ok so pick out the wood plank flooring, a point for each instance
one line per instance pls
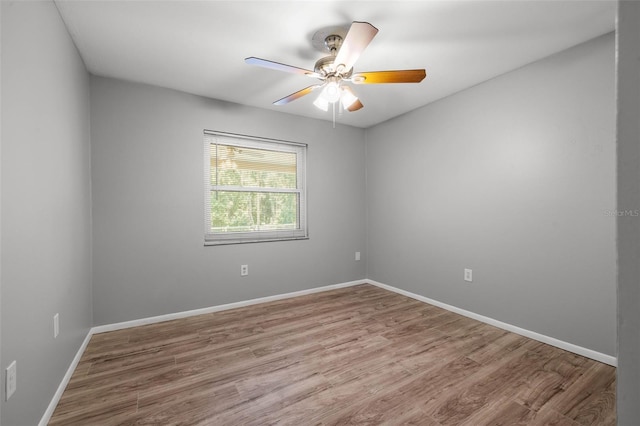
(354, 356)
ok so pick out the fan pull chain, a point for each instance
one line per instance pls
(334, 115)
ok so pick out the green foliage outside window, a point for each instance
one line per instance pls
(242, 209)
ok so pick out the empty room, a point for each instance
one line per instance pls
(319, 213)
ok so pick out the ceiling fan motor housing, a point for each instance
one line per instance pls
(331, 43)
(326, 67)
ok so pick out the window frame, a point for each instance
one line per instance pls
(255, 142)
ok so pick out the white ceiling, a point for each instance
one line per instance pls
(199, 46)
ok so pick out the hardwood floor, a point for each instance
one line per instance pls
(354, 356)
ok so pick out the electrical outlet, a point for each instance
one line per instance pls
(357, 255)
(56, 325)
(244, 270)
(11, 379)
(468, 275)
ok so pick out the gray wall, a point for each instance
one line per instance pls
(147, 183)
(628, 44)
(512, 178)
(46, 204)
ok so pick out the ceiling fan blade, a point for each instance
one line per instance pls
(296, 95)
(357, 39)
(281, 67)
(376, 77)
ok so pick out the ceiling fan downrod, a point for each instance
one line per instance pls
(333, 43)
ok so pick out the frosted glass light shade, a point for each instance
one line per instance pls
(321, 103)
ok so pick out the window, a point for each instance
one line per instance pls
(254, 189)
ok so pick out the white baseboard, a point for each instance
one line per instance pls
(185, 314)
(598, 356)
(65, 380)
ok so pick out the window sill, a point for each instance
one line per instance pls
(248, 241)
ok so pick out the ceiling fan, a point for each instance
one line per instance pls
(334, 70)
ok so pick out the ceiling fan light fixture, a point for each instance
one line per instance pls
(331, 91)
(321, 103)
(347, 98)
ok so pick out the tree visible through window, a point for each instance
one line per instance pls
(255, 189)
